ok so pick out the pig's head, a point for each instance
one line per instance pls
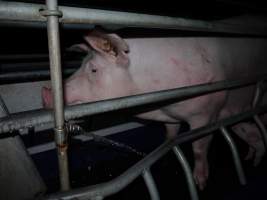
(104, 73)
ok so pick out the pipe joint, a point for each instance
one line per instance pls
(61, 137)
(47, 13)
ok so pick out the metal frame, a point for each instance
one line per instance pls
(22, 12)
(127, 177)
(38, 117)
(52, 15)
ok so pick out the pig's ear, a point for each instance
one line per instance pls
(109, 44)
(79, 48)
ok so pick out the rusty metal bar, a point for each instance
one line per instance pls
(117, 184)
(52, 15)
(151, 185)
(30, 12)
(38, 117)
(187, 170)
(236, 158)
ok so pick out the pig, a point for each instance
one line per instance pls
(119, 67)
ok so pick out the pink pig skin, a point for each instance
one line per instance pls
(134, 66)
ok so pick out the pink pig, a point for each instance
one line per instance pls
(121, 67)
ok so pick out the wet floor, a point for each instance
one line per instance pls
(92, 163)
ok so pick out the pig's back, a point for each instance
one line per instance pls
(163, 63)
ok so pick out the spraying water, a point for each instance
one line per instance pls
(74, 128)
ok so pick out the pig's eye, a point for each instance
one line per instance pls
(94, 70)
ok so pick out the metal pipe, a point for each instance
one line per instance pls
(187, 170)
(127, 177)
(31, 66)
(30, 12)
(258, 94)
(236, 158)
(52, 15)
(21, 24)
(13, 57)
(38, 117)
(19, 77)
(151, 185)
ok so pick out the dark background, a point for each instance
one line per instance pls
(106, 163)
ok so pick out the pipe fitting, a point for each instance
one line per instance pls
(47, 13)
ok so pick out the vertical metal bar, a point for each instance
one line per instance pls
(236, 158)
(152, 188)
(187, 170)
(258, 94)
(56, 80)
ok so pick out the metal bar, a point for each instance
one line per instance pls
(56, 82)
(97, 198)
(127, 177)
(151, 185)
(187, 170)
(29, 66)
(38, 117)
(21, 24)
(258, 94)
(22, 56)
(13, 151)
(19, 77)
(30, 12)
(236, 158)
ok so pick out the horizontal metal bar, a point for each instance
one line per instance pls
(117, 184)
(33, 66)
(22, 56)
(71, 15)
(38, 117)
(21, 24)
(40, 75)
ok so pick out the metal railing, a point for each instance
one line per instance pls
(21, 12)
(24, 12)
(38, 117)
(117, 184)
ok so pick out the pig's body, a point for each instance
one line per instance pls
(164, 63)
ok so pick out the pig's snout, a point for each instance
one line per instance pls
(47, 97)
